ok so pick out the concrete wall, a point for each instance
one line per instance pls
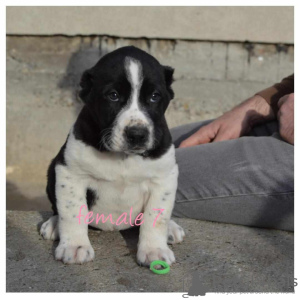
(257, 24)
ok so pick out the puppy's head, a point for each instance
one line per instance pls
(128, 91)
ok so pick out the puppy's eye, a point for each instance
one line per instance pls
(155, 97)
(113, 96)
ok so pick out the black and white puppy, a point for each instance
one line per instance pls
(118, 158)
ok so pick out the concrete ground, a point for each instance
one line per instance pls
(228, 258)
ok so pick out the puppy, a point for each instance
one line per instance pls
(118, 159)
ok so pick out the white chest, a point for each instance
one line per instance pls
(121, 184)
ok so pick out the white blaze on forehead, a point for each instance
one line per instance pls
(134, 76)
(133, 69)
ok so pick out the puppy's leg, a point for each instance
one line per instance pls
(74, 245)
(153, 237)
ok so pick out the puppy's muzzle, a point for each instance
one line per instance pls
(136, 136)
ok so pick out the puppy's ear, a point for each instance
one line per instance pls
(169, 80)
(86, 84)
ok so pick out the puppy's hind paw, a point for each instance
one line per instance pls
(175, 233)
(49, 229)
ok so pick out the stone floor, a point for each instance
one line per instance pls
(227, 258)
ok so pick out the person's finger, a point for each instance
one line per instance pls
(222, 136)
(202, 136)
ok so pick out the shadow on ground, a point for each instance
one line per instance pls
(15, 200)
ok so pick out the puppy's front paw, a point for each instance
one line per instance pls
(146, 255)
(74, 254)
(49, 229)
(175, 233)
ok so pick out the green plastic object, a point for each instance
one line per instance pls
(161, 263)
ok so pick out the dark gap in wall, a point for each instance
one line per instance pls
(152, 38)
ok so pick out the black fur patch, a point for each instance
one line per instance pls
(50, 189)
(90, 198)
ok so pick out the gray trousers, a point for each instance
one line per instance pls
(247, 181)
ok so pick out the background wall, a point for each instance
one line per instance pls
(221, 55)
(259, 24)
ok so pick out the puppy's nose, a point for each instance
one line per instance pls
(136, 135)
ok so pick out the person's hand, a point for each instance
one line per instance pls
(233, 124)
(285, 118)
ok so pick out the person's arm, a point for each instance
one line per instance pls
(234, 123)
(260, 108)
